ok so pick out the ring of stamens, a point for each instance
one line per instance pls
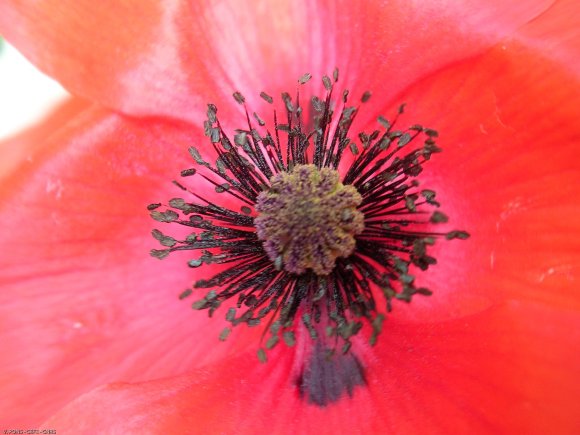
(379, 226)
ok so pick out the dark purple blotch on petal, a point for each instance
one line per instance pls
(327, 377)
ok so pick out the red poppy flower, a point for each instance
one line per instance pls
(88, 317)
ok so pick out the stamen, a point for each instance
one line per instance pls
(308, 245)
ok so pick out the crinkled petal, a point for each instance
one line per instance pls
(170, 58)
(503, 363)
(486, 373)
(508, 174)
(556, 34)
(82, 302)
(504, 313)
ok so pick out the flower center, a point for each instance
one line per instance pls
(307, 239)
(307, 219)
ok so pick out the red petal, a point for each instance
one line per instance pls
(509, 175)
(15, 150)
(83, 303)
(489, 373)
(556, 34)
(393, 45)
(73, 222)
(159, 58)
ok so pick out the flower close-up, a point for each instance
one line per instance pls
(289, 217)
